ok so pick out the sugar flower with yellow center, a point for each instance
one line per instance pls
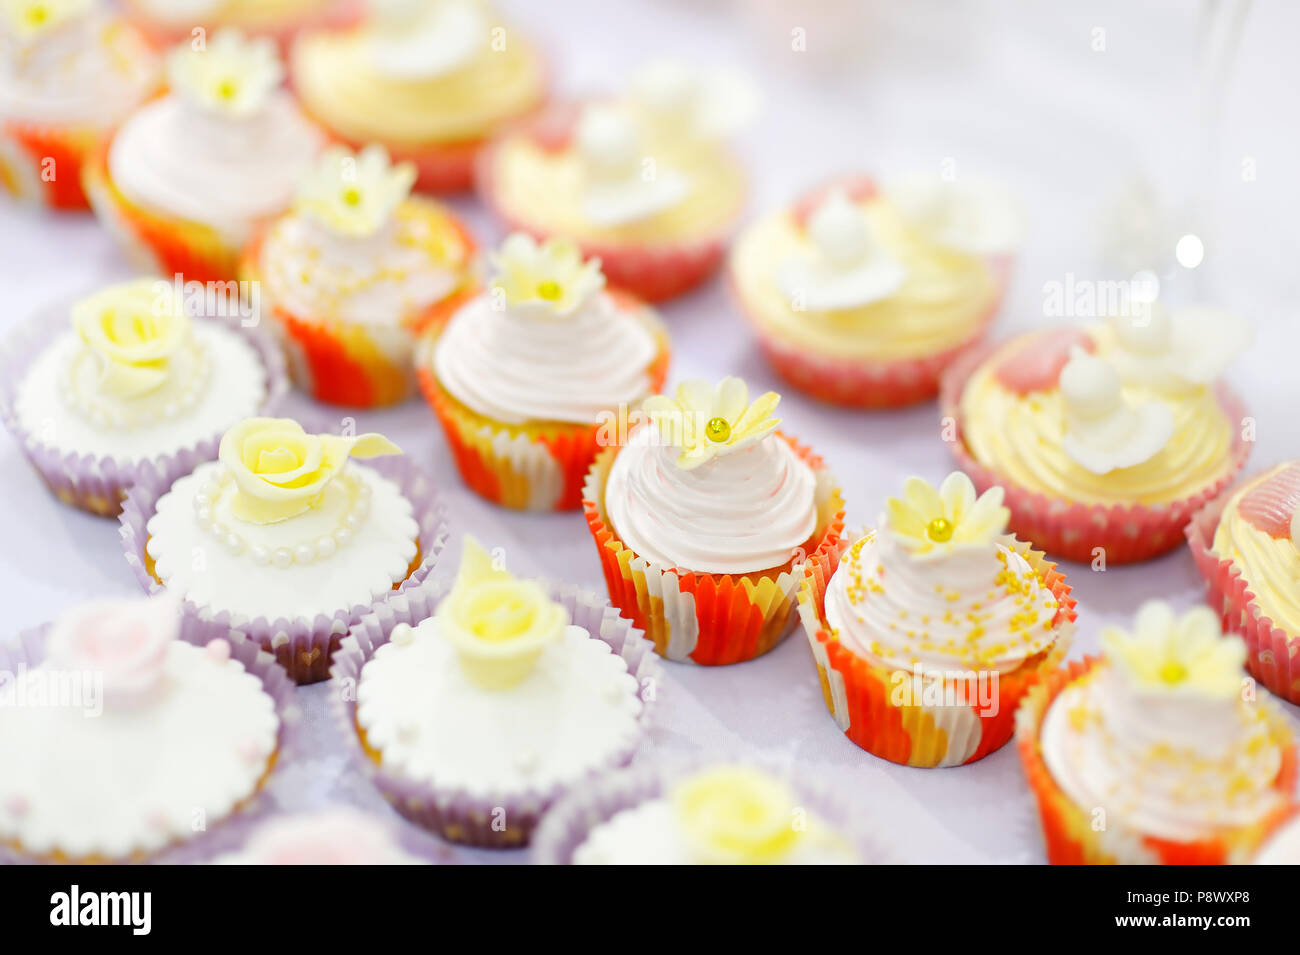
(231, 75)
(498, 624)
(1187, 655)
(927, 520)
(734, 815)
(28, 20)
(707, 421)
(132, 329)
(549, 278)
(282, 471)
(355, 194)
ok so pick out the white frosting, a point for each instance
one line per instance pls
(575, 709)
(425, 39)
(1104, 431)
(52, 406)
(335, 836)
(979, 608)
(1283, 848)
(176, 159)
(650, 834)
(135, 778)
(1175, 767)
(347, 561)
(513, 366)
(968, 215)
(738, 513)
(619, 186)
(88, 70)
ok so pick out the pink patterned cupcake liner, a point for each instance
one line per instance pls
(100, 483)
(303, 647)
(1074, 530)
(451, 811)
(27, 650)
(1270, 650)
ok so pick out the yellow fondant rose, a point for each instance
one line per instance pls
(133, 329)
(735, 815)
(549, 278)
(925, 519)
(281, 470)
(707, 421)
(355, 195)
(1186, 655)
(498, 624)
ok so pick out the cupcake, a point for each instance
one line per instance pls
(1247, 546)
(284, 539)
(127, 736)
(131, 386)
(1283, 847)
(335, 836)
(188, 179)
(532, 377)
(354, 273)
(504, 694)
(167, 22)
(707, 518)
(726, 814)
(69, 72)
(863, 296)
(928, 631)
(1158, 752)
(645, 183)
(1106, 439)
(430, 80)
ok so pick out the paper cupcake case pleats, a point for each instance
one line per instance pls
(303, 647)
(42, 164)
(493, 820)
(27, 650)
(1073, 530)
(1270, 650)
(707, 618)
(568, 824)
(99, 484)
(1068, 829)
(862, 696)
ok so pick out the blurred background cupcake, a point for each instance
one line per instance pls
(173, 21)
(862, 296)
(429, 80)
(70, 71)
(355, 272)
(336, 836)
(188, 179)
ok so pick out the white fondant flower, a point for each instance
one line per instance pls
(1103, 431)
(232, 75)
(966, 215)
(846, 268)
(705, 421)
(621, 183)
(710, 104)
(927, 519)
(132, 329)
(425, 39)
(734, 815)
(125, 641)
(1176, 350)
(355, 194)
(281, 470)
(1169, 654)
(548, 278)
(28, 20)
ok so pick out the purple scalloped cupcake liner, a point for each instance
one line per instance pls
(451, 812)
(303, 647)
(571, 820)
(99, 484)
(28, 649)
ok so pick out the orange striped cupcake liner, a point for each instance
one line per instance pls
(42, 164)
(1068, 831)
(702, 618)
(863, 697)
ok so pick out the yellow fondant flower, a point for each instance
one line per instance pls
(550, 278)
(355, 194)
(498, 624)
(927, 519)
(707, 421)
(281, 470)
(133, 329)
(1170, 654)
(735, 815)
(231, 74)
(29, 19)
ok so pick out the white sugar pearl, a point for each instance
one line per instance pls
(354, 520)
(304, 553)
(235, 543)
(325, 547)
(342, 536)
(261, 555)
(282, 557)
(203, 513)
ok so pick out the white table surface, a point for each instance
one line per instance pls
(1012, 90)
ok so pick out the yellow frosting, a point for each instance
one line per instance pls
(336, 82)
(544, 189)
(1020, 437)
(1270, 565)
(941, 303)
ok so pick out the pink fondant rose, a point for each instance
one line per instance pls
(124, 640)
